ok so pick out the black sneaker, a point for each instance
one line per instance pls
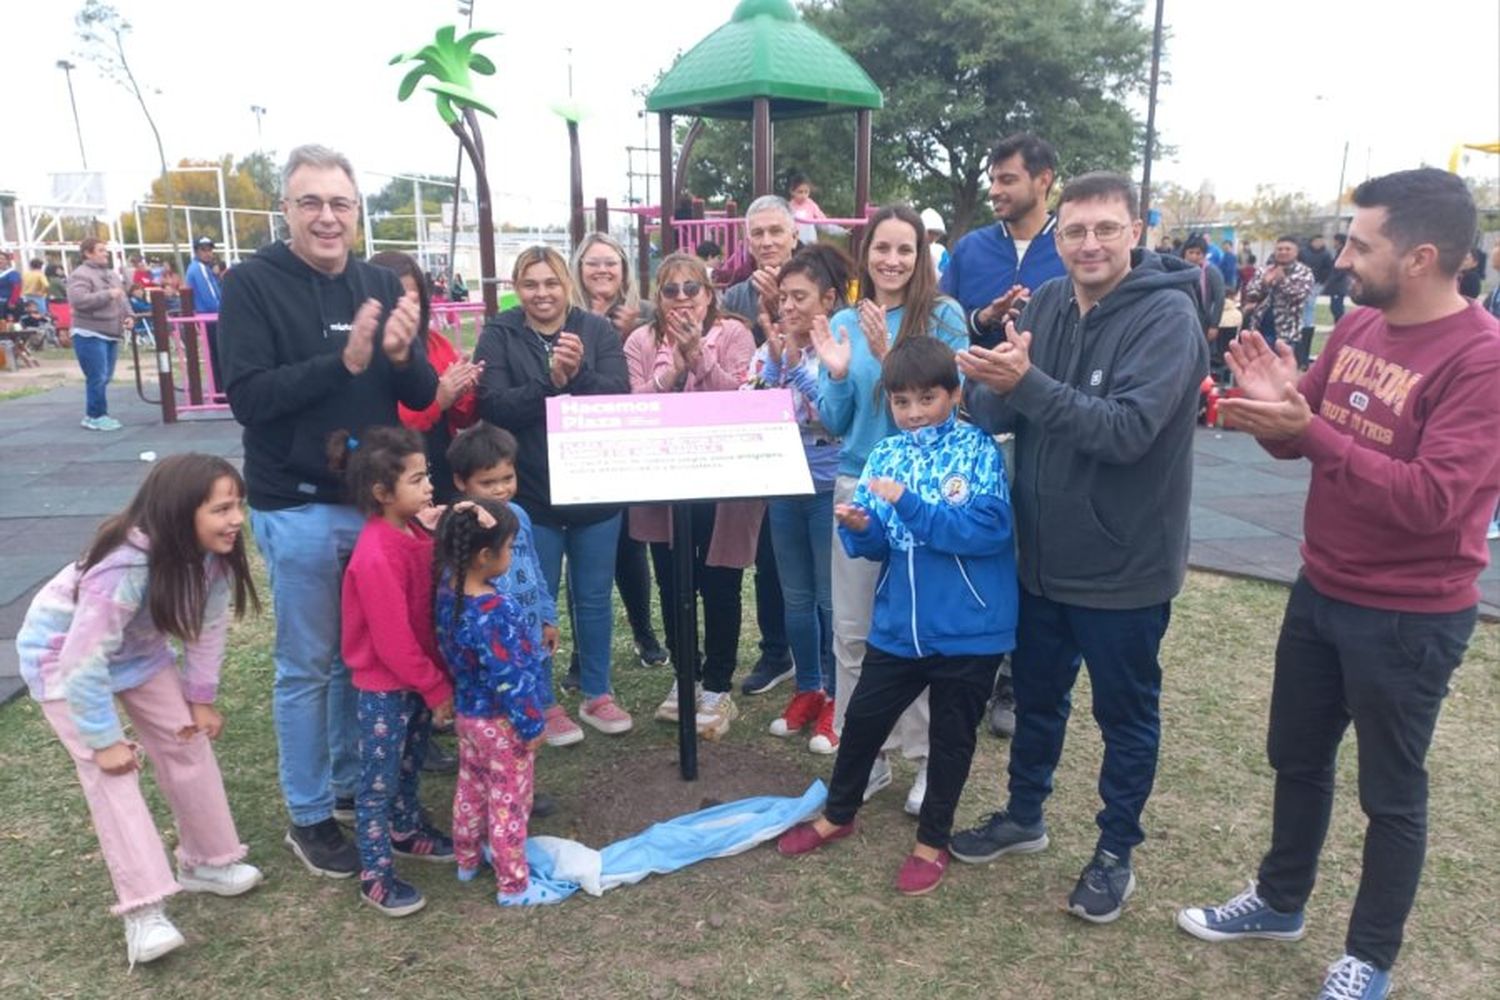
(427, 844)
(651, 652)
(997, 835)
(323, 849)
(1102, 889)
(542, 805)
(439, 759)
(343, 809)
(766, 675)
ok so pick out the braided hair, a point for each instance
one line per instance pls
(460, 536)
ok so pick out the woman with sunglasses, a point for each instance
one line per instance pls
(691, 347)
(602, 286)
(544, 347)
(898, 299)
(811, 288)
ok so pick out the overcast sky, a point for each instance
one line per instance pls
(1267, 92)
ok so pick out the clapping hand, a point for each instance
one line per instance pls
(887, 489)
(567, 358)
(775, 338)
(833, 353)
(1000, 367)
(1006, 305)
(1260, 372)
(767, 288)
(360, 346)
(401, 329)
(1282, 419)
(872, 325)
(853, 517)
(460, 378)
(687, 339)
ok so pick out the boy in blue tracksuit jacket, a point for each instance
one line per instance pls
(932, 506)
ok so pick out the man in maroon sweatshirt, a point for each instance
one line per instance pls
(1398, 417)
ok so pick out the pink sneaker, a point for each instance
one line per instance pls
(604, 715)
(561, 730)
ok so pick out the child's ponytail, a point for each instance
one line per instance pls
(373, 459)
(467, 527)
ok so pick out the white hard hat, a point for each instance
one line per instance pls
(932, 221)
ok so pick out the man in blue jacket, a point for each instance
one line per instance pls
(1101, 390)
(204, 282)
(315, 340)
(992, 270)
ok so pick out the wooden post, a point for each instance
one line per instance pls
(861, 161)
(163, 331)
(760, 144)
(601, 215)
(190, 348)
(664, 141)
(642, 254)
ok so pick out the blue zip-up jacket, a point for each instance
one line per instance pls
(949, 583)
(984, 265)
(852, 408)
(205, 285)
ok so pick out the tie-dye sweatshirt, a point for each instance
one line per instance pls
(89, 635)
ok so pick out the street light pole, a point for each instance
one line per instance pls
(1151, 125)
(260, 143)
(67, 69)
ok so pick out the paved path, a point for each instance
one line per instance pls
(58, 481)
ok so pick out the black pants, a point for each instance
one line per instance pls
(719, 586)
(633, 580)
(770, 609)
(1302, 349)
(1387, 672)
(957, 686)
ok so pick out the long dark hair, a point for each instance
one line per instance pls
(404, 264)
(921, 290)
(165, 509)
(826, 266)
(373, 460)
(459, 536)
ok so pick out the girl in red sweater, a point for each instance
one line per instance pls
(391, 649)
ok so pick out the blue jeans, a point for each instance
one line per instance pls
(1120, 648)
(803, 529)
(96, 356)
(1310, 307)
(590, 549)
(306, 549)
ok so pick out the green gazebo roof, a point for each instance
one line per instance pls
(766, 50)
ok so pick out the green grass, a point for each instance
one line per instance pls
(759, 925)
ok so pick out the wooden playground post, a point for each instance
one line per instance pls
(189, 335)
(163, 328)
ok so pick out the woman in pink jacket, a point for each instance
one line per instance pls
(691, 347)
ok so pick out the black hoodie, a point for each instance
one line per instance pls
(282, 330)
(514, 389)
(1104, 437)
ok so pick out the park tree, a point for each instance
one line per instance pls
(1272, 213)
(957, 76)
(101, 32)
(199, 189)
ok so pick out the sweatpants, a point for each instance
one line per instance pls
(957, 688)
(492, 800)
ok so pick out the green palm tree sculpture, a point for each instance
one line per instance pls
(449, 60)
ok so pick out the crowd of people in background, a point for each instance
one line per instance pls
(399, 492)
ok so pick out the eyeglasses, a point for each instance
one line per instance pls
(602, 263)
(686, 290)
(1103, 232)
(312, 205)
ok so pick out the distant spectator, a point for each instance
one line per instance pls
(205, 285)
(34, 285)
(1471, 274)
(1338, 282)
(10, 286)
(1247, 271)
(1229, 266)
(937, 230)
(710, 253)
(1210, 286)
(799, 194)
(101, 317)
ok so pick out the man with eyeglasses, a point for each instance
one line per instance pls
(314, 340)
(771, 234)
(1098, 380)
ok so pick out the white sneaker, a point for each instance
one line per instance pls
(107, 423)
(667, 710)
(918, 792)
(89, 424)
(1494, 531)
(716, 710)
(233, 879)
(149, 934)
(880, 777)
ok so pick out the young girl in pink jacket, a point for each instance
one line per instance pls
(171, 565)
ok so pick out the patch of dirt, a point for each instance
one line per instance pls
(630, 792)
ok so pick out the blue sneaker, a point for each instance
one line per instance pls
(1107, 881)
(1351, 979)
(535, 894)
(392, 897)
(1244, 916)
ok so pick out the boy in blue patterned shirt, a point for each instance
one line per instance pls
(932, 506)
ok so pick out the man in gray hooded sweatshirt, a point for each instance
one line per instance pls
(1100, 386)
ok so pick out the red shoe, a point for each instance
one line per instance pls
(918, 877)
(824, 739)
(805, 837)
(801, 711)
